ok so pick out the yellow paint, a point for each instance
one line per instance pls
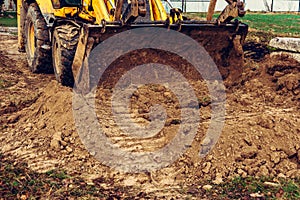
(20, 39)
(86, 16)
(158, 10)
(31, 40)
(100, 10)
(151, 11)
(110, 4)
(63, 12)
(45, 6)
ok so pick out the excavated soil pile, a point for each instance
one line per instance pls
(261, 136)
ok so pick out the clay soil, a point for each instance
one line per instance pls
(261, 136)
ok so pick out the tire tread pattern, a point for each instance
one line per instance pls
(41, 62)
(67, 36)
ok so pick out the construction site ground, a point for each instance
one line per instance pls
(261, 136)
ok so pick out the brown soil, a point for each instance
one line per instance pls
(261, 136)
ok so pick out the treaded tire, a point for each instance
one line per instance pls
(64, 44)
(37, 41)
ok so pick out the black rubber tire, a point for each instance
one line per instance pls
(37, 46)
(64, 44)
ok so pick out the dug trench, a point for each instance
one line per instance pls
(261, 135)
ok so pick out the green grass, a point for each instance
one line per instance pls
(17, 180)
(286, 24)
(276, 23)
(8, 19)
(8, 22)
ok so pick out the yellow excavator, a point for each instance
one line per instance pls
(57, 35)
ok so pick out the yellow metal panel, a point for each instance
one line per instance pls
(110, 4)
(100, 11)
(45, 6)
(151, 11)
(20, 38)
(65, 11)
(158, 10)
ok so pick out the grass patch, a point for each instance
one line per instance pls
(8, 22)
(238, 187)
(17, 181)
(286, 24)
(276, 23)
(8, 19)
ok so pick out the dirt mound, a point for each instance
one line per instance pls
(260, 137)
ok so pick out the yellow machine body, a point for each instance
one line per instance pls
(50, 29)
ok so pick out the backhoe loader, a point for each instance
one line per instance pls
(57, 35)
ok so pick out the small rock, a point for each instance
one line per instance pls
(242, 173)
(55, 142)
(286, 43)
(63, 143)
(67, 133)
(275, 157)
(257, 195)
(266, 122)
(207, 187)
(168, 95)
(263, 171)
(281, 175)
(69, 149)
(28, 129)
(286, 165)
(248, 141)
(41, 125)
(290, 82)
(57, 136)
(29, 125)
(207, 167)
(278, 74)
(290, 151)
(252, 170)
(210, 157)
(130, 181)
(218, 179)
(93, 153)
(272, 148)
(249, 152)
(295, 173)
(271, 184)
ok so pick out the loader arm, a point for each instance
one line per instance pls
(235, 8)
